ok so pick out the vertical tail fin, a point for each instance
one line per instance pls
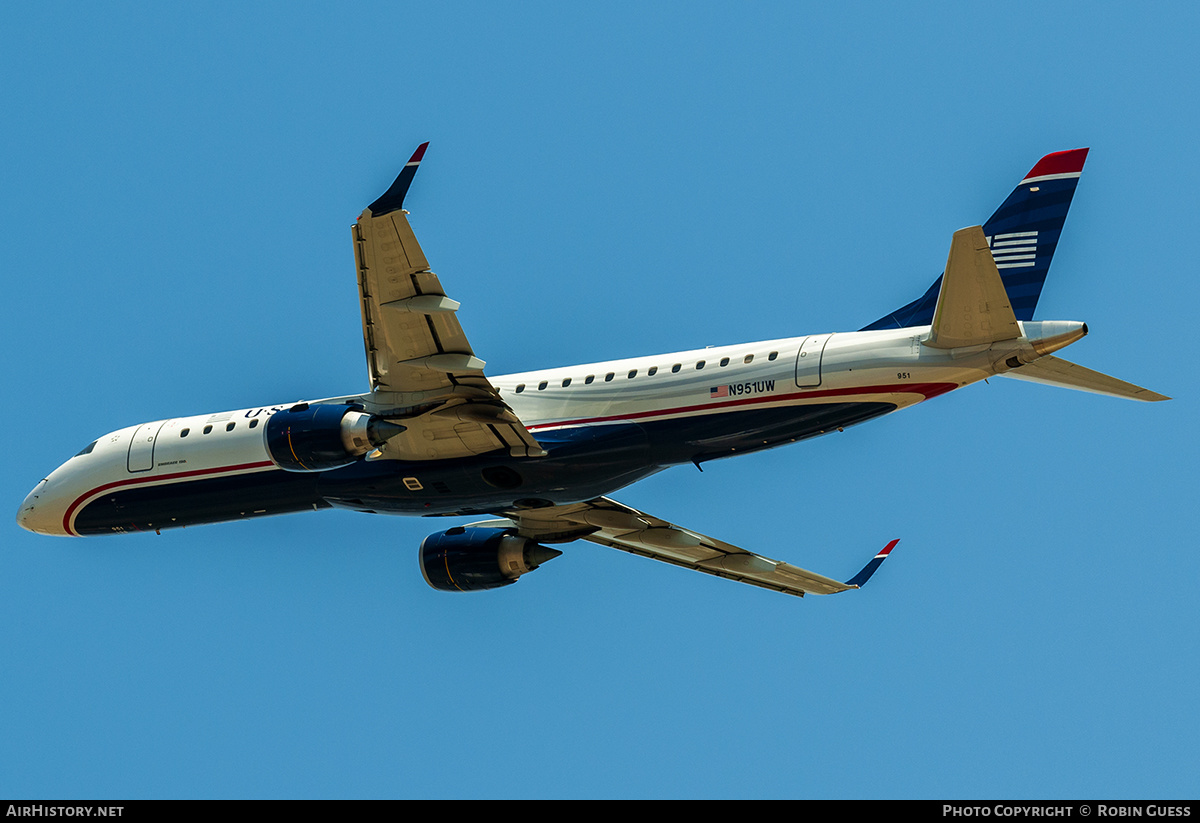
(1023, 234)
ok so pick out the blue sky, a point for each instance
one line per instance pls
(604, 181)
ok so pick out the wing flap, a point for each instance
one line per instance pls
(407, 316)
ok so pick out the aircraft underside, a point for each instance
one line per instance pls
(582, 463)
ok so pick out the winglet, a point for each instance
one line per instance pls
(393, 199)
(860, 579)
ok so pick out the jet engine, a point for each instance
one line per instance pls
(308, 438)
(470, 559)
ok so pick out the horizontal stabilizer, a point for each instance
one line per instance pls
(972, 307)
(1054, 371)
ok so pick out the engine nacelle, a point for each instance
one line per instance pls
(308, 438)
(471, 559)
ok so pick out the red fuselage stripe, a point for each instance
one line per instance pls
(927, 390)
(133, 481)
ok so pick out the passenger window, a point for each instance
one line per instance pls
(520, 388)
(229, 427)
(749, 358)
(675, 369)
(632, 373)
(566, 382)
(184, 432)
(208, 429)
(542, 385)
(724, 361)
(699, 365)
(254, 422)
(608, 377)
(588, 380)
(653, 370)
(772, 355)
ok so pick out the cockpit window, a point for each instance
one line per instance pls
(88, 448)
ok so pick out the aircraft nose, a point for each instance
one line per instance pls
(37, 514)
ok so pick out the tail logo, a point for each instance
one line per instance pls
(1016, 250)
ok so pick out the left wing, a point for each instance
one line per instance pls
(418, 357)
(617, 526)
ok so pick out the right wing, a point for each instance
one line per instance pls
(418, 357)
(617, 526)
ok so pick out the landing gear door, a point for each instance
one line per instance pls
(141, 447)
(808, 360)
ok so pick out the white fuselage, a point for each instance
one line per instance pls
(710, 387)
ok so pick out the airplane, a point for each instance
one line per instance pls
(539, 452)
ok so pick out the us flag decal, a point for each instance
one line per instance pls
(1015, 250)
(738, 389)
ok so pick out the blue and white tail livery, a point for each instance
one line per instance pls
(538, 453)
(1022, 234)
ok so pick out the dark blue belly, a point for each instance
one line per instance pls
(582, 463)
